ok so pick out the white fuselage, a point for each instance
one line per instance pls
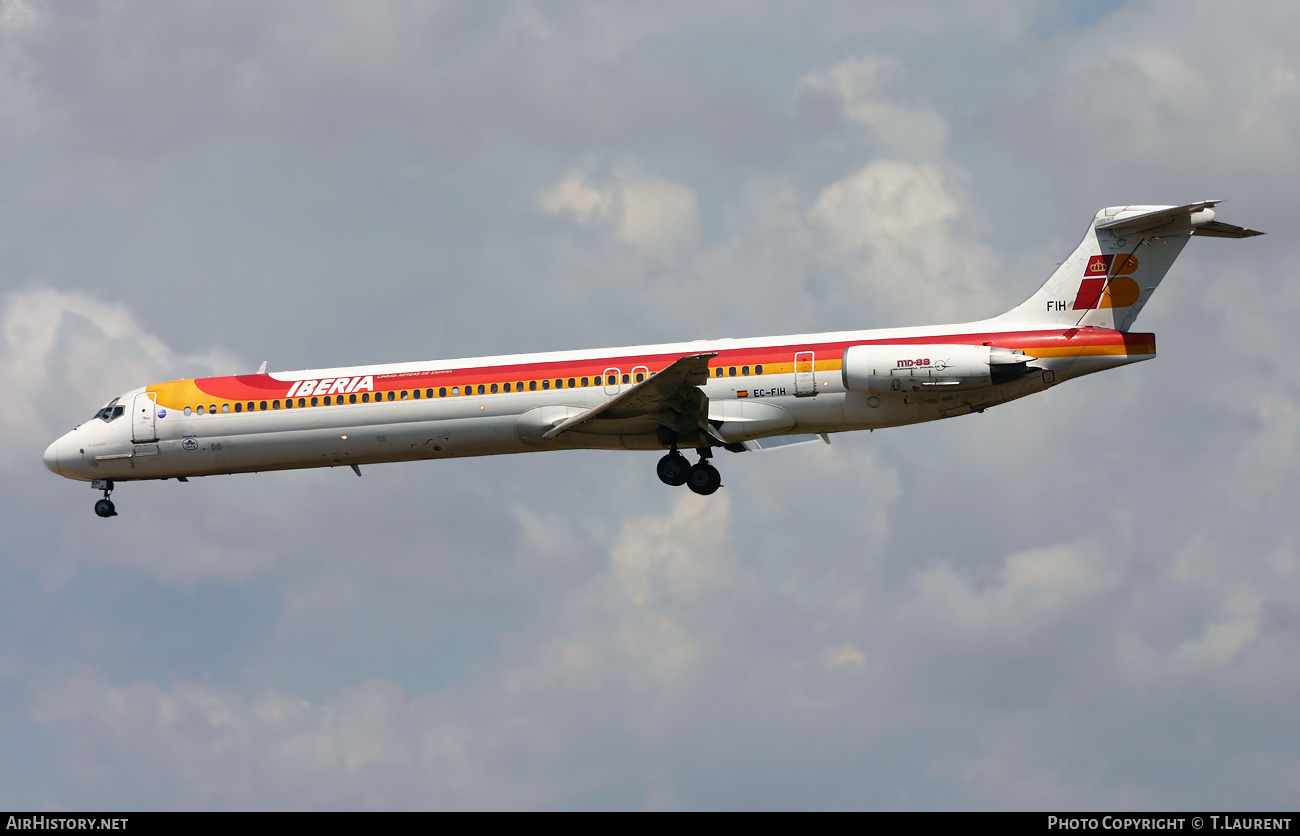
(773, 396)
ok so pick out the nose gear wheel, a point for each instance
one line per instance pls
(104, 507)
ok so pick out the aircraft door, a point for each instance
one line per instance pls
(144, 418)
(610, 379)
(805, 383)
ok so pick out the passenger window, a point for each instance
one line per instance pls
(627, 378)
(239, 407)
(507, 387)
(365, 397)
(200, 409)
(584, 381)
(415, 393)
(428, 393)
(640, 376)
(405, 395)
(188, 411)
(494, 388)
(532, 386)
(519, 387)
(731, 371)
(327, 400)
(392, 394)
(352, 398)
(263, 407)
(758, 370)
(315, 402)
(251, 406)
(744, 370)
(225, 408)
(276, 404)
(455, 391)
(546, 384)
(717, 372)
(481, 389)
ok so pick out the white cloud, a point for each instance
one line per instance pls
(15, 15)
(1205, 100)
(893, 227)
(659, 558)
(64, 354)
(635, 622)
(916, 131)
(1223, 641)
(845, 657)
(1269, 457)
(886, 202)
(575, 195)
(656, 216)
(1033, 589)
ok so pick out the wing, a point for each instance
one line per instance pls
(672, 398)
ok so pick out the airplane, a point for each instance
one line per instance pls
(732, 394)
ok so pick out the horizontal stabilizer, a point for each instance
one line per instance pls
(1218, 229)
(1166, 216)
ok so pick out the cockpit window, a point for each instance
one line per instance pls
(108, 413)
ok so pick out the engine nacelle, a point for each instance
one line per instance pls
(878, 369)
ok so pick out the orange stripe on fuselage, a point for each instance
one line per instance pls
(775, 359)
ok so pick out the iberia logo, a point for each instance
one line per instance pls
(1106, 283)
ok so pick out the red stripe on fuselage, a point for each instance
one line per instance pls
(257, 387)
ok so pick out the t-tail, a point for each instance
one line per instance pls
(1113, 272)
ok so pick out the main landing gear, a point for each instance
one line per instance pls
(702, 477)
(104, 507)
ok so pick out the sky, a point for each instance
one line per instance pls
(1088, 599)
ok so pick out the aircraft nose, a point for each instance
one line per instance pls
(51, 458)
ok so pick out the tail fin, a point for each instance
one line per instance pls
(1112, 274)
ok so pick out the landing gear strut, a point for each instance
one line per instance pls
(104, 507)
(702, 477)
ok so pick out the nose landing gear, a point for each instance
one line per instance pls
(104, 507)
(702, 477)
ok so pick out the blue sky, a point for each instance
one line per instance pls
(1081, 600)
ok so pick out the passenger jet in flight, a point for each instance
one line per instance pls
(741, 394)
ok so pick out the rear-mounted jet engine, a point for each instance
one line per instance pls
(878, 369)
